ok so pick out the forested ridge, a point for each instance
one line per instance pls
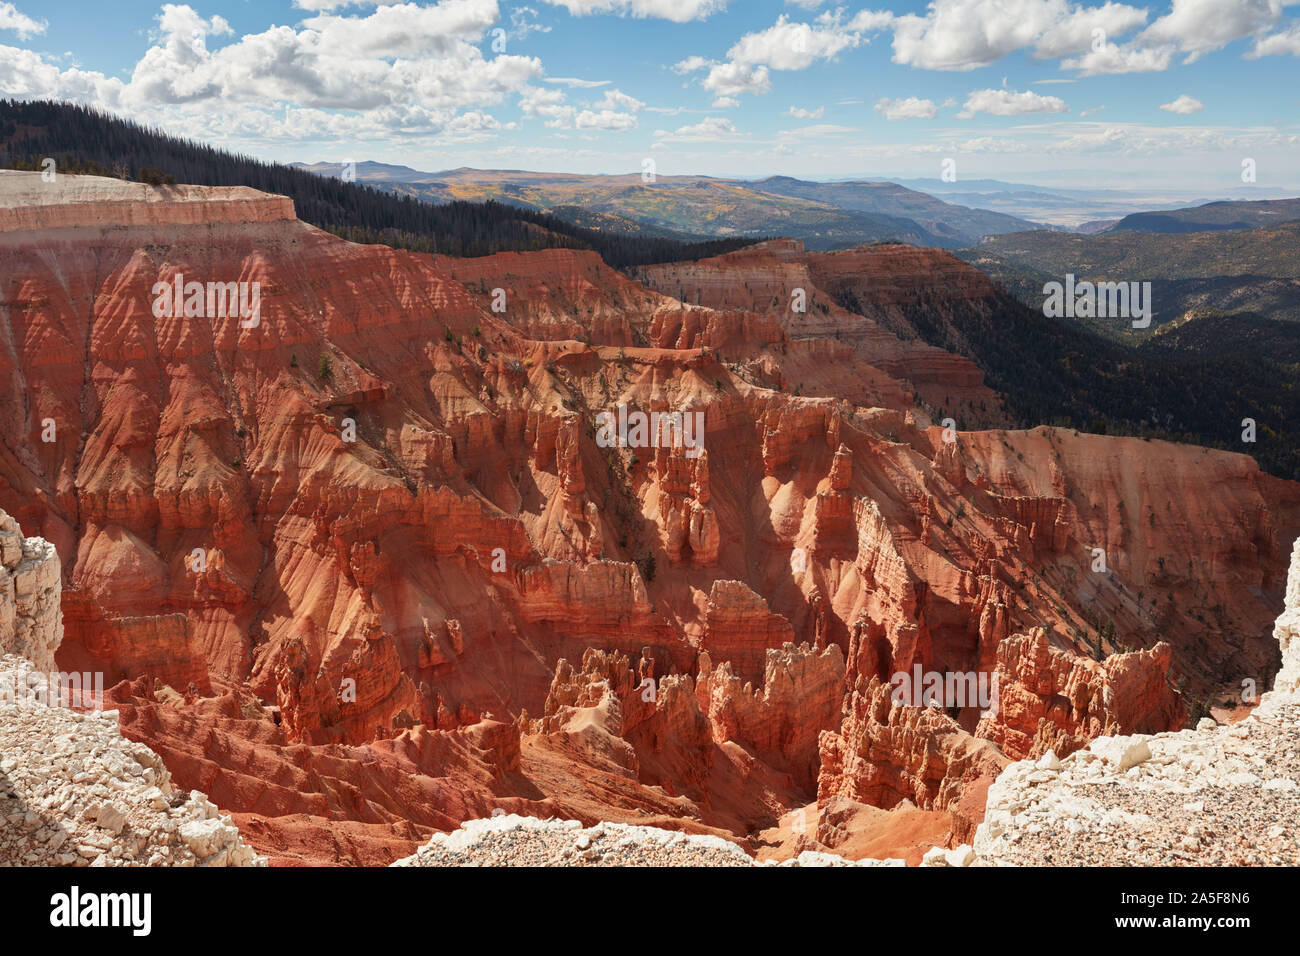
(84, 140)
(1051, 372)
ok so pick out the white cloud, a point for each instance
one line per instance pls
(732, 79)
(618, 100)
(792, 46)
(691, 64)
(20, 23)
(1191, 27)
(1113, 58)
(711, 129)
(399, 69)
(1081, 30)
(318, 5)
(967, 34)
(1010, 103)
(910, 108)
(800, 113)
(1278, 44)
(396, 55)
(604, 119)
(549, 105)
(816, 131)
(26, 75)
(725, 103)
(1197, 27)
(1184, 104)
(523, 21)
(786, 45)
(573, 81)
(613, 111)
(869, 21)
(679, 11)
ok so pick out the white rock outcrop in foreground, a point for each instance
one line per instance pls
(75, 792)
(1287, 632)
(527, 841)
(31, 625)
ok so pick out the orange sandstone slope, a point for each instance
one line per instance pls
(363, 570)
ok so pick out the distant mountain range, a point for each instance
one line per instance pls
(1213, 217)
(1080, 209)
(823, 215)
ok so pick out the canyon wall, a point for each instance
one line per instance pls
(337, 565)
(1216, 795)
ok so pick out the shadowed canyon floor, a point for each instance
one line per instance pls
(365, 569)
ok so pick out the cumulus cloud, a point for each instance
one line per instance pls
(1197, 27)
(711, 129)
(1010, 103)
(1191, 28)
(1113, 58)
(604, 119)
(910, 108)
(678, 11)
(792, 46)
(615, 110)
(618, 100)
(1278, 44)
(732, 79)
(967, 34)
(27, 75)
(398, 54)
(20, 23)
(691, 64)
(395, 69)
(1184, 104)
(800, 113)
(786, 45)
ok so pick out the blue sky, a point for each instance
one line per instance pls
(1100, 95)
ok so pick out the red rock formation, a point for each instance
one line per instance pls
(804, 293)
(1048, 699)
(885, 753)
(778, 721)
(739, 627)
(381, 517)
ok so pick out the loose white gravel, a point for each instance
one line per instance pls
(75, 792)
(513, 840)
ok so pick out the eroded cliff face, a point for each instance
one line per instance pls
(333, 560)
(1210, 796)
(73, 790)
